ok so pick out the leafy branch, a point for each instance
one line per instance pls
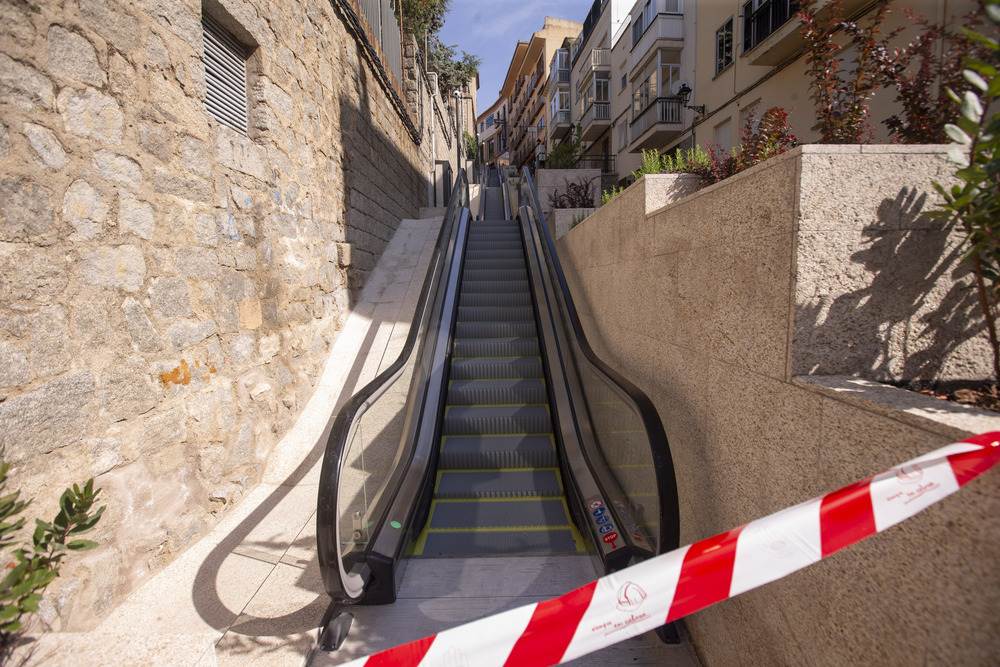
(34, 568)
(974, 203)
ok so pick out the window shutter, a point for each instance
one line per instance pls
(225, 76)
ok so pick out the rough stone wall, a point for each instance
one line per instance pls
(704, 305)
(169, 288)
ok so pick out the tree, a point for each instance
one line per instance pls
(565, 156)
(841, 95)
(423, 18)
(454, 71)
(470, 145)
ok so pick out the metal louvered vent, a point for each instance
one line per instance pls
(225, 76)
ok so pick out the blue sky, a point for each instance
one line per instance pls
(490, 30)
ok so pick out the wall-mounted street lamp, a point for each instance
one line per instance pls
(684, 92)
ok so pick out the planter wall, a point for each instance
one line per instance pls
(757, 314)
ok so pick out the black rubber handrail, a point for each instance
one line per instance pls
(666, 481)
(341, 583)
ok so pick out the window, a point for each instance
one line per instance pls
(490, 120)
(602, 86)
(724, 46)
(623, 83)
(657, 80)
(670, 71)
(673, 7)
(225, 76)
(723, 134)
(762, 17)
(491, 153)
(622, 135)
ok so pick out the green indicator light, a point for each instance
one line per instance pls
(395, 524)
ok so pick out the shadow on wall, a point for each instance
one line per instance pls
(873, 331)
(377, 176)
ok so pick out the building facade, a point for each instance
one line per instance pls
(616, 86)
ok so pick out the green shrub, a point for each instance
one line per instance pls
(34, 567)
(608, 195)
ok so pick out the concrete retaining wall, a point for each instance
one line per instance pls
(550, 181)
(742, 310)
(170, 288)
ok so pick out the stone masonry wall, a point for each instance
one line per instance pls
(170, 288)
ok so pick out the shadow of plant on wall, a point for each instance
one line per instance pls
(899, 311)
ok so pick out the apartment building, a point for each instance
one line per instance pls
(749, 54)
(526, 86)
(492, 138)
(661, 74)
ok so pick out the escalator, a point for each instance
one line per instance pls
(496, 432)
(498, 490)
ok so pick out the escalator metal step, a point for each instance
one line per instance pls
(479, 275)
(496, 392)
(495, 419)
(488, 368)
(476, 543)
(521, 513)
(495, 314)
(487, 264)
(491, 329)
(489, 286)
(495, 242)
(493, 253)
(526, 483)
(509, 237)
(470, 452)
(496, 347)
(491, 299)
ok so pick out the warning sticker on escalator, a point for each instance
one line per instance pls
(602, 524)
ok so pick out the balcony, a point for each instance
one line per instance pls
(596, 120)
(658, 123)
(666, 29)
(599, 60)
(558, 77)
(561, 124)
(769, 34)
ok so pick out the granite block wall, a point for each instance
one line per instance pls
(732, 308)
(170, 287)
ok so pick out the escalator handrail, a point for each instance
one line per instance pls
(669, 537)
(341, 426)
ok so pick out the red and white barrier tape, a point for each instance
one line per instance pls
(665, 588)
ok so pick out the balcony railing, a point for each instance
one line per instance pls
(558, 76)
(600, 58)
(769, 16)
(606, 163)
(596, 111)
(665, 26)
(561, 118)
(662, 110)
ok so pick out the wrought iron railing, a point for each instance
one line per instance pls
(662, 110)
(770, 15)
